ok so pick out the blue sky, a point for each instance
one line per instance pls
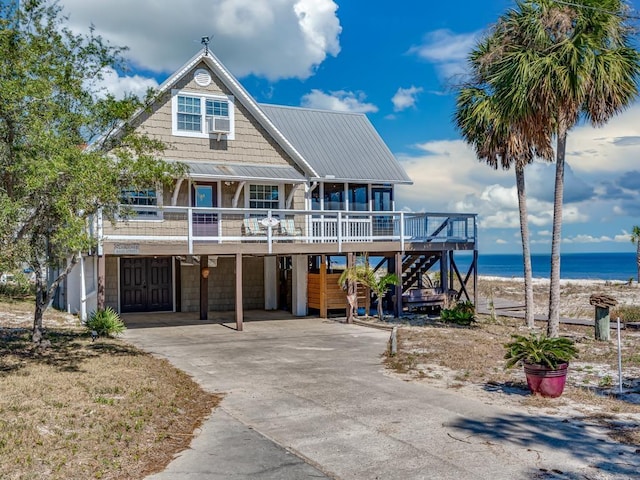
(396, 62)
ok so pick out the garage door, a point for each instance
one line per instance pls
(146, 284)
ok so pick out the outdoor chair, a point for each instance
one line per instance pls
(252, 227)
(288, 228)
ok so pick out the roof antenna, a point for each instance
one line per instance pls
(205, 41)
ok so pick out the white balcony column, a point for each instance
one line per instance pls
(271, 283)
(299, 272)
(83, 290)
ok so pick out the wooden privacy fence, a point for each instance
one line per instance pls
(324, 293)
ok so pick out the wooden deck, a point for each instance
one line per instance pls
(185, 231)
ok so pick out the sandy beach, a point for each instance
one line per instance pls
(574, 294)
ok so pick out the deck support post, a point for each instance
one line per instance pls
(299, 280)
(204, 287)
(367, 300)
(397, 311)
(101, 283)
(323, 286)
(475, 278)
(352, 290)
(177, 268)
(239, 295)
(444, 276)
(271, 282)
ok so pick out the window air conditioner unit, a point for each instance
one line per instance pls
(219, 125)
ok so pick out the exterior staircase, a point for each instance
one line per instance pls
(415, 268)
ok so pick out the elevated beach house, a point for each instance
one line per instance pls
(275, 199)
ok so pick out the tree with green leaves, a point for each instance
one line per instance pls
(500, 141)
(367, 276)
(51, 107)
(635, 238)
(560, 63)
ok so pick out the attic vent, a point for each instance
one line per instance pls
(202, 77)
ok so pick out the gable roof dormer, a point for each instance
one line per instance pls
(242, 96)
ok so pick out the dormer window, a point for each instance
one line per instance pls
(189, 117)
(197, 115)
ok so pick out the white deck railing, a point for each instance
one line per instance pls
(192, 225)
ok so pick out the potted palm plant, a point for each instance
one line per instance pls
(545, 360)
(379, 284)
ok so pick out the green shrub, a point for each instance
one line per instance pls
(463, 313)
(18, 287)
(105, 322)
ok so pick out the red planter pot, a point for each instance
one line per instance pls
(546, 381)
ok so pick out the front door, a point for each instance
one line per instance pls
(146, 284)
(205, 224)
(382, 198)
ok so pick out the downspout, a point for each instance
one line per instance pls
(236, 196)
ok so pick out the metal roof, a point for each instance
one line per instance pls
(236, 171)
(338, 145)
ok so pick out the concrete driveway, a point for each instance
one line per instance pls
(309, 398)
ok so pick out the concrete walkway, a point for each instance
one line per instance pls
(308, 398)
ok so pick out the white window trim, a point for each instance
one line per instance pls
(158, 217)
(281, 194)
(203, 112)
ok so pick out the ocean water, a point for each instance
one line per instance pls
(588, 266)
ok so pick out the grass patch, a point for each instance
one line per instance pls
(627, 313)
(83, 409)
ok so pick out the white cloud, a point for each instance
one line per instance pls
(341, 101)
(623, 237)
(446, 50)
(443, 46)
(541, 241)
(444, 173)
(572, 214)
(500, 241)
(613, 147)
(119, 86)
(405, 98)
(587, 239)
(275, 39)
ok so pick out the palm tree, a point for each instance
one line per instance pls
(635, 238)
(367, 276)
(500, 141)
(560, 62)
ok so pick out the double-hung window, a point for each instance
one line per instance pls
(201, 115)
(264, 196)
(189, 116)
(141, 198)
